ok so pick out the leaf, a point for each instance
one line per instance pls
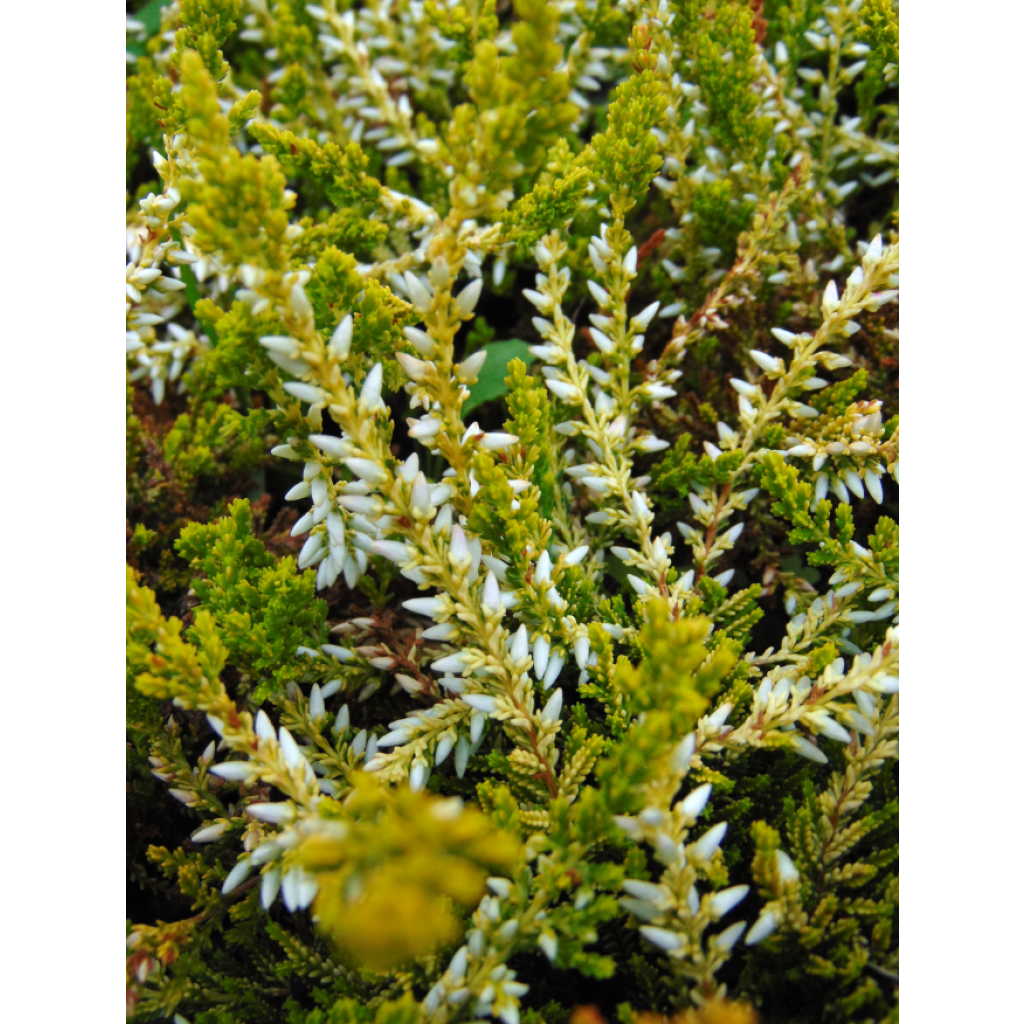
(491, 382)
(149, 15)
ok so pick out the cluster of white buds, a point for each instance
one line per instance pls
(786, 701)
(431, 377)
(477, 967)
(548, 635)
(279, 760)
(676, 915)
(853, 444)
(856, 436)
(383, 48)
(429, 736)
(607, 403)
(814, 111)
(712, 512)
(345, 520)
(155, 295)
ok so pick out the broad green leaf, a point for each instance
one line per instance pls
(491, 382)
(149, 15)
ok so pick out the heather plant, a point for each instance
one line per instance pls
(513, 566)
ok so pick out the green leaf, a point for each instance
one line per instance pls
(491, 382)
(149, 15)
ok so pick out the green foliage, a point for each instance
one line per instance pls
(340, 172)
(530, 420)
(349, 1011)
(547, 206)
(720, 217)
(518, 103)
(881, 28)
(174, 666)
(665, 695)
(202, 442)
(263, 608)
(239, 204)
(727, 84)
(624, 159)
(811, 523)
(378, 315)
(680, 471)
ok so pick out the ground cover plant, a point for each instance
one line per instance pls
(512, 546)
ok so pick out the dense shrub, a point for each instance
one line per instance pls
(513, 568)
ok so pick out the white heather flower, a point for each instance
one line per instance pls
(394, 551)
(343, 654)
(683, 755)
(316, 702)
(643, 319)
(745, 389)
(420, 340)
(467, 299)
(722, 902)
(334, 446)
(471, 367)
(772, 365)
(263, 727)
(805, 748)
(290, 749)
(416, 369)
(497, 441)
(492, 593)
(661, 937)
(763, 927)
(341, 339)
(368, 470)
(728, 938)
(210, 833)
(709, 842)
(577, 555)
(830, 299)
(306, 392)
(541, 653)
(482, 702)
(695, 802)
(581, 649)
(369, 397)
(431, 607)
(552, 709)
(419, 291)
(564, 390)
(235, 771)
(786, 867)
(644, 891)
(276, 814)
(554, 669)
(237, 875)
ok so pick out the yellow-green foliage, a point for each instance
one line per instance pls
(390, 885)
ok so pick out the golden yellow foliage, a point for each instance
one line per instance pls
(394, 872)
